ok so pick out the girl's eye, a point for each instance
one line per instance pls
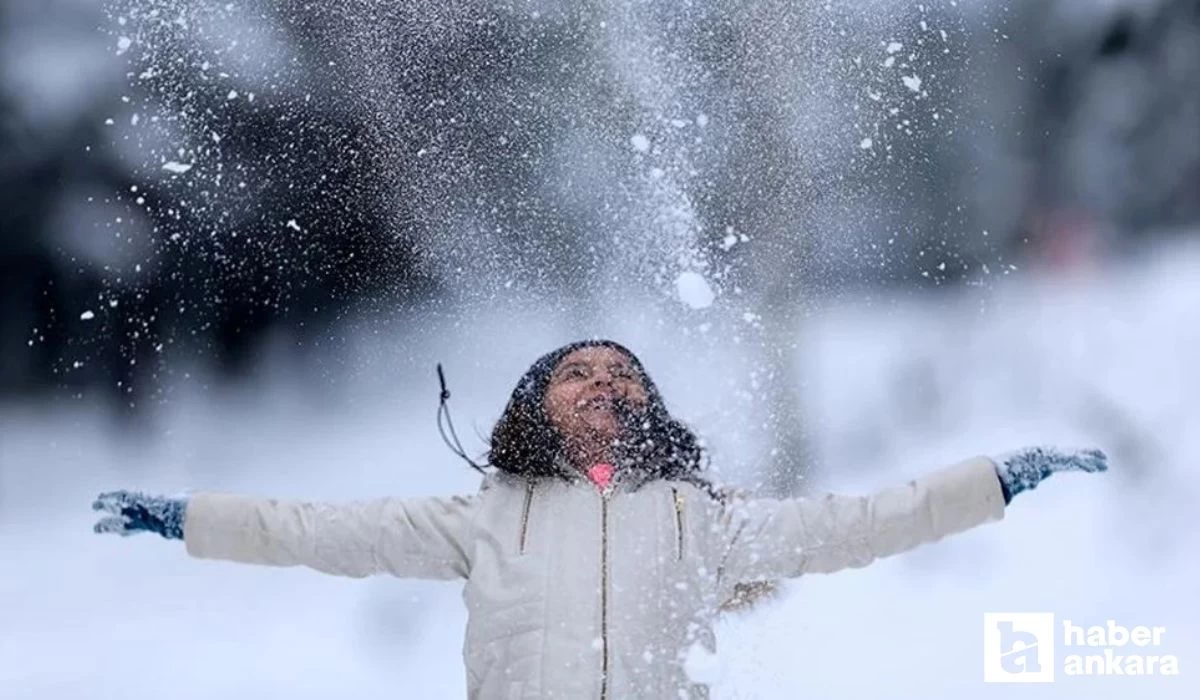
(576, 372)
(622, 372)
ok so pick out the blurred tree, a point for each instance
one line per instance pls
(1107, 143)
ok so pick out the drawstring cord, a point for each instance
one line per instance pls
(449, 435)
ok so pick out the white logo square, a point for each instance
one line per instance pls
(1018, 647)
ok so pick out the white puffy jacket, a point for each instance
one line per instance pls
(574, 594)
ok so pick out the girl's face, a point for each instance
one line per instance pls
(585, 389)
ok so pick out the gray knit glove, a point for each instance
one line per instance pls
(1023, 469)
(134, 512)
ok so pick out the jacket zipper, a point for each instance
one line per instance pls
(678, 499)
(525, 517)
(604, 596)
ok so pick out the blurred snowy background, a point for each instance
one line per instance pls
(853, 241)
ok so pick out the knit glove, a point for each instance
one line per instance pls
(1023, 469)
(134, 512)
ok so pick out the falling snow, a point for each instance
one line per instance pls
(508, 153)
(694, 290)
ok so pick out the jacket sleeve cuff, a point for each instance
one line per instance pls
(217, 526)
(966, 495)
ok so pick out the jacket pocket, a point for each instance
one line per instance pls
(523, 537)
(678, 503)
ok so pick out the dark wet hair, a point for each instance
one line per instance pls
(525, 444)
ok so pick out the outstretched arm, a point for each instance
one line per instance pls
(773, 538)
(418, 538)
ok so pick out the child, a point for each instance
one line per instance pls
(596, 552)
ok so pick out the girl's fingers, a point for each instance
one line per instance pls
(115, 524)
(1093, 461)
(107, 502)
(113, 501)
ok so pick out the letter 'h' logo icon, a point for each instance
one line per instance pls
(1018, 647)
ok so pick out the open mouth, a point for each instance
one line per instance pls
(598, 403)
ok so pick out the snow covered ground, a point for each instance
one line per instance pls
(1107, 358)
